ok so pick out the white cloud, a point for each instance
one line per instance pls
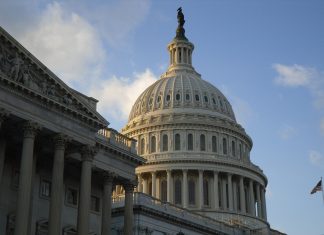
(287, 132)
(117, 95)
(309, 78)
(316, 158)
(295, 75)
(66, 43)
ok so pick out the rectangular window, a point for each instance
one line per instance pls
(45, 188)
(71, 197)
(95, 203)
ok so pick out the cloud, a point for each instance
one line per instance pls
(66, 43)
(316, 158)
(287, 132)
(295, 75)
(302, 76)
(117, 95)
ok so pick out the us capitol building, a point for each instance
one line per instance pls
(63, 171)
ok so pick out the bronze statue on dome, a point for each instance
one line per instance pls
(180, 33)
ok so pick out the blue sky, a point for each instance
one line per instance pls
(266, 56)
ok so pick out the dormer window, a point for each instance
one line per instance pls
(197, 97)
(187, 97)
(159, 99)
(206, 99)
(168, 97)
(178, 97)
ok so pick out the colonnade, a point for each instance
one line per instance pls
(24, 202)
(226, 191)
(180, 55)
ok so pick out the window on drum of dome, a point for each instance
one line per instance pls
(168, 98)
(178, 97)
(233, 149)
(206, 192)
(142, 146)
(206, 99)
(165, 143)
(214, 144)
(177, 142)
(190, 142)
(192, 192)
(197, 97)
(153, 144)
(202, 143)
(224, 146)
(187, 97)
(164, 191)
(177, 191)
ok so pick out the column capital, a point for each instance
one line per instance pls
(31, 129)
(60, 141)
(185, 170)
(129, 187)
(109, 176)
(200, 171)
(88, 152)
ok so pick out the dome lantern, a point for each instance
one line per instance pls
(180, 48)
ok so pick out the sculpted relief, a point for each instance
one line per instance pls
(18, 69)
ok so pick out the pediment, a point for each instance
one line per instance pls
(20, 69)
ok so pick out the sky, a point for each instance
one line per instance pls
(265, 56)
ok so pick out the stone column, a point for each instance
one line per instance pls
(106, 204)
(169, 186)
(57, 188)
(25, 179)
(2, 156)
(185, 188)
(87, 155)
(153, 184)
(145, 188)
(200, 189)
(128, 216)
(257, 190)
(140, 183)
(182, 56)
(252, 200)
(264, 206)
(230, 191)
(224, 195)
(216, 198)
(234, 195)
(242, 195)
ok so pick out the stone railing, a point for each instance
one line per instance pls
(118, 139)
(231, 225)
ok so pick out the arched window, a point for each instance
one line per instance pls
(177, 142)
(197, 97)
(165, 143)
(190, 142)
(164, 194)
(224, 146)
(202, 143)
(233, 149)
(214, 144)
(178, 97)
(142, 146)
(206, 192)
(192, 192)
(177, 191)
(153, 144)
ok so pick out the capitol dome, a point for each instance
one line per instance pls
(197, 155)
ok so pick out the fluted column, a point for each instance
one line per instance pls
(224, 195)
(128, 216)
(169, 186)
(140, 183)
(230, 192)
(145, 188)
(185, 188)
(242, 196)
(87, 155)
(234, 196)
(252, 200)
(216, 199)
(264, 205)
(2, 156)
(57, 187)
(258, 200)
(25, 179)
(106, 204)
(153, 184)
(200, 189)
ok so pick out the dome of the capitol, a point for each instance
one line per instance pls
(197, 155)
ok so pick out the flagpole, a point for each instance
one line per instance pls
(322, 190)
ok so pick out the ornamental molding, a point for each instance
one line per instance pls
(21, 73)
